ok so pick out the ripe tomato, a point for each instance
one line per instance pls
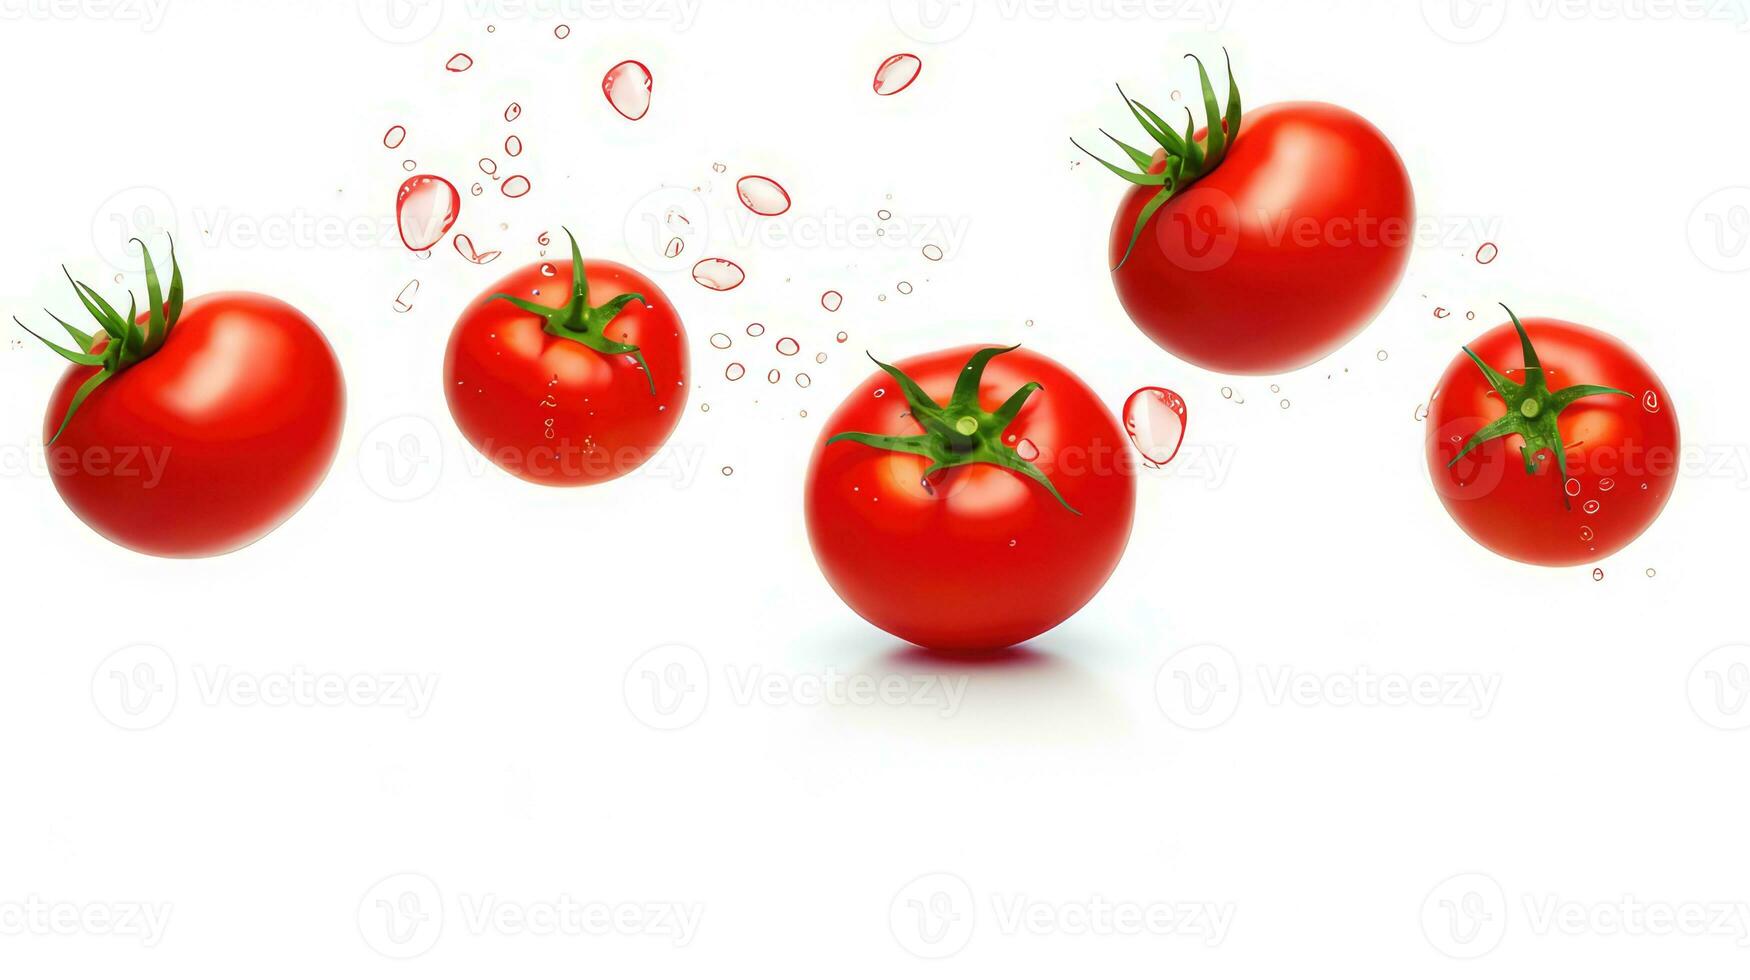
(557, 391)
(977, 525)
(1562, 460)
(193, 430)
(1260, 250)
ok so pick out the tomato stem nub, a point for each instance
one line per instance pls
(126, 345)
(962, 432)
(1525, 416)
(578, 321)
(1186, 159)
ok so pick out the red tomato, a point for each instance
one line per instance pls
(207, 436)
(1269, 248)
(1558, 465)
(944, 525)
(559, 392)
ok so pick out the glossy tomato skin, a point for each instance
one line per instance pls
(988, 559)
(1281, 254)
(551, 410)
(209, 443)
(1623, 453)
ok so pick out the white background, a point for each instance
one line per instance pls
(1600, 145)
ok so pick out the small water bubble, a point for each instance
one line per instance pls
(459, 62)
(721, 341)
(1381, 354)
(1597, 574)
(728, 471)
(734, 371)
(772, 376)
(515, 186)
(831, 300)
(1486, 253)
(755, 329)
(904, 288)
(842, 337)
(394, 136)
(562, 32)
(513, 146)
(933, 253)
(512, 111)
(803, 381)
(788, 347)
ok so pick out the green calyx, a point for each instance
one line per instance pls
(961, 432)
(1533, 411)
(579, 321)
(126, 343)
(1187, 158)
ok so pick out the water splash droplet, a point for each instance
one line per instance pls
(897, 73)
(762, 195)
(425, 209)
(1155, 421)
(627, 86)
(718, 274)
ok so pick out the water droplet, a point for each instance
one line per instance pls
(404, 299)
(1421, 412)
(514, 186)
(674, 248)
(1441, 312)
(1284, 403)
(772, 376)
(513, 146)
(721, 341)
(1227, 392)
(842, 337)
(762, 195)
(904, 288)
(426, 209)
(562, 32)
(820, 358)
(1381, 355)
(465, 248)
(720, 167)
(1586, 532)
(1486, 253)
(1651, 573)
(788, 347)
(897, 73)
(1597, 574)
(459, 62)
(718, 274)
(880, 392)
(409, 165)
(1572, 487)
(394, 136)
(1590, 507)
(1027, 450)
(803, 381)
(734, 371)
(1155, 421)
(512, 111)
(755, 329)
(476, 189)
(1650, 400)
(933, 253)
(832, 299)
(1606, 485)
(884, 214)
(548, 270)
(627, 86)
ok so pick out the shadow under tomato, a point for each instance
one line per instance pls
(1016, 658)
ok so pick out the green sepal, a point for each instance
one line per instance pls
(127, 344)
(1187, 158)
(961, 432)
(1533, 412)
(580, 322)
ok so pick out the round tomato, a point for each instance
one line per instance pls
(560, 392)
(1260, 249)
(1551, 443)
(965, 501)
(193, 430)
